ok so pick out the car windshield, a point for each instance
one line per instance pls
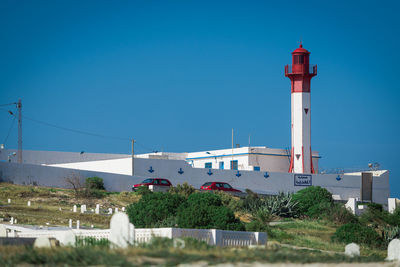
(207, 184)
(147, 181)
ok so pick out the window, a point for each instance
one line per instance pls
(221, 165)
(147, 181)
(208, 165)
(298, 59)
(256, 168)
(207, 184)
(234, 164)
(156, 181)
(227, 186)
(164, 182)
(219, 185)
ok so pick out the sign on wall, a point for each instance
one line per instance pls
(302, 180)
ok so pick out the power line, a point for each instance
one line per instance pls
(9, 130)
(2, 105)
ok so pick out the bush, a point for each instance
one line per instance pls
(375, 215)
(229, 201)
(312, 201)
(143, 190)
(281, 205)
(184, 190)
(94, 183)
(340, 214)
(390, 233)
(152, 209)
(205, 210)
(357, 233)
(394, 219)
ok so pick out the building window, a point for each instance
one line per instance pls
(221, 165)
(208, 165)
(234, 164)
(256, 168)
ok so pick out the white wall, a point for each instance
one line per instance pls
(347, 186)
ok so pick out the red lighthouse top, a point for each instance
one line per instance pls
(300, 50)
(300, 71)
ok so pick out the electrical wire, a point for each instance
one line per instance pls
(2, 105)
(9, 130)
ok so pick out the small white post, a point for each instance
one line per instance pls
(15, 221)
(12, 220)
(116, 210)
(29, 203)
(82, 208)
(74, 208)
(77, 224)
(352, 205)
(97, 210)
(9, 201)
(110, 211)
(123, 209)
(70, 223)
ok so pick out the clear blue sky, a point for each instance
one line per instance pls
(178, 75)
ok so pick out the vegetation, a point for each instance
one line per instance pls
(184, 190)
(154, 208)
(357, 233)
(313, 201)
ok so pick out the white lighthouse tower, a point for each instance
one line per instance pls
(300, 74)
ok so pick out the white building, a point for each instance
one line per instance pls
(259, 158)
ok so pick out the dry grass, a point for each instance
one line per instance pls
(46, 202)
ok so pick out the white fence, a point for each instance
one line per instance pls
(210, 236)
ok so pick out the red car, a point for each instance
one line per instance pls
(219, 186)
(152, 181)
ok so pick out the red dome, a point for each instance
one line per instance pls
(301, 50)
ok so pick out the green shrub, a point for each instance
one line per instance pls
(94, 183)
(357, 233)
(375, 216)
(229, 201)
(152, 209)
(205, 210)
(312, 201)
(183, 189)
(338, 213)
(143, 190)
(251, 202)
(394, 219)
(390, 233)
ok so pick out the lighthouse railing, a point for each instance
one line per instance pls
(301, 69)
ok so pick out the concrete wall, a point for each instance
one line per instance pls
(179, 171)
(54, 157)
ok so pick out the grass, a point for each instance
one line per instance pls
(45, 204)
(169, 256)
(286, 240)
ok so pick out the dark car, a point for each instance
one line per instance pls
(152, 181)
(219, 186)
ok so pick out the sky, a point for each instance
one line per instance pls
(177, 76)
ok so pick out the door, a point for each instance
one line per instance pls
(366, 186)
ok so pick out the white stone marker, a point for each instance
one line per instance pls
(352, 250)
(66, 238)
(77, 224)
(9, 201)
(391, 205)
(123, 209)
(3, 231)
(116, 210)
(74, 208)
(70, 223)
(15, 221)
(82, 208)
(29, 203)
(42, 242)
(59, 209)
(110, 211)
(393, 250)
(119, 230)
(97, 210)
(352, 205)
(12, 220)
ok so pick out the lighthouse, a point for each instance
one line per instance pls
(300, 74)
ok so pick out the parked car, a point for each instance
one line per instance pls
(219, 186)
(152, 181)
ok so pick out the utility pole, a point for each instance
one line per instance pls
(133, 157)
(19, 106)
(232, 150)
